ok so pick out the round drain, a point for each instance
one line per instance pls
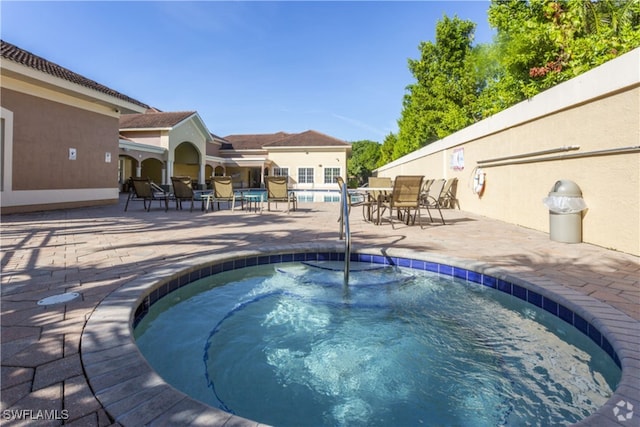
(59, 299)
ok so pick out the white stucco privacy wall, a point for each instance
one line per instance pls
(593, 121)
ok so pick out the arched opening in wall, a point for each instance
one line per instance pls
(208, 173)
(126, 169)
(152, 168)
(219, 171)
(187, 161)
(254, 178)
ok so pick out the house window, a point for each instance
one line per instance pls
(305, 176)
(281, 172)
(330, 175)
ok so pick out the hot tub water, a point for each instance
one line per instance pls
(288, 345)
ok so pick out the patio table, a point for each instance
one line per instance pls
(382, 192)
(254, 199)
(205, 196)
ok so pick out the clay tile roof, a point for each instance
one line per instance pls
(153, 120)
(251, 142)
(28, 59)
(309, 138)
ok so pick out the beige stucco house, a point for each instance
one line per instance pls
(58, 133)
(68, 141)
(311, 160)
(159, 145)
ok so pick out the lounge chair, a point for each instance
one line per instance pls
(426, 186)
(182, 190)
(144, 189)
(278, 191)
(432, 199)
(223, 192)
(448, 196)
(361, 200)
(404, 197)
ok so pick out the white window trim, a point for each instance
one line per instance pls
(273, 169)
(330, 167)
(313, 176)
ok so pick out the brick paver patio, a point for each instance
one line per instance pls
(94, 251)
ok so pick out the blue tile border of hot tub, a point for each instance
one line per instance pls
(518, 291)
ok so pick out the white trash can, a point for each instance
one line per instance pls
(565, 205)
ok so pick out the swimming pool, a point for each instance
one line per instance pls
(115, 368)
(305, 195)
(288, 345)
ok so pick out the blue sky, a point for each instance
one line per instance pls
(247, 67)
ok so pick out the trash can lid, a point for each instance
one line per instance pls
(566, 188)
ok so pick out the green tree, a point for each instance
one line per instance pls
(442, 99)
(365, 156)
(496, 91)
(386, 150)
(541, 43)
(538, 44)
(601, 31)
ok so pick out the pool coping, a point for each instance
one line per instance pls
(134, 394)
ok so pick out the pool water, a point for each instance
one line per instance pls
(304, 195)
(289, 345)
